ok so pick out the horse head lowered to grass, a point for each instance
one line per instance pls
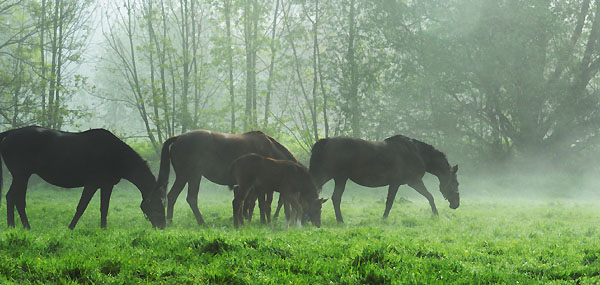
(255, 173)
(91, 159)
(395, 161)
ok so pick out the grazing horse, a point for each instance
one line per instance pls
(210, 154)
(92, 159)
(255, 173)
(395, 161)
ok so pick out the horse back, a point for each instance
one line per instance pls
(212, 153)
(369, 163)
(65, 159)
(272, 174)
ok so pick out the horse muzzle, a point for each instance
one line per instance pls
(455, 205)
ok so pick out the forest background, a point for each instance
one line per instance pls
(500, 86)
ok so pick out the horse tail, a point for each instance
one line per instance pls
(316, 163)
(2, 136)
(230, 171)
(317, 154)
(165, 165)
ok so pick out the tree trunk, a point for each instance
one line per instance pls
(56, 117)
(353, 92)
(313, 114)
(196, 77)
(230, 62)
(136, 82)
(163, 78)
(42, 30)
(17, 90)
(271, 65)
(253, 57)
(155, 99)
(185, 116)
(325, 119)
(248, 43)
(315, 72)
(50, 112)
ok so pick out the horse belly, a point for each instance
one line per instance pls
(375, 177)
(62, 180)
(217, 175)
(370, 180)
(73, 175)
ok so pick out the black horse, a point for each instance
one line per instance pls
(395, 161)
(210, 154)
(92, 159)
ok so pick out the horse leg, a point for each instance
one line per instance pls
(10, 206)
(264, 206)
(279, 204)
(292, 219)
(239, 194)
(392, 190)
(297, 210)
(86, 196)
(287, 212)
(249, 204)
(261, 206)
(172, 196)
(16, 198)
(336, 198)
(268, 202)
(105, 193)
(192, 199)
(420, 187)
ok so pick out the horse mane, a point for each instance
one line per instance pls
(425, 148)
(129, 153)
(279, 146)
(256, 133)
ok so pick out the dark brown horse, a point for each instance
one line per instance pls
(210, 154)
(92, 159)
(255, 173)
(396, 161)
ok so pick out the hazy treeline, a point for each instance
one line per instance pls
(484, 79)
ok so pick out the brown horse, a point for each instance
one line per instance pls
(395, 161)
(255, 173)
(210, 154)
(92, 159)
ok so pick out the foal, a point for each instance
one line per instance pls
(255, 173)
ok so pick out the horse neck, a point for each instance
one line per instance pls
(308, 189)
(308, 195)
(435, 163)
(140, 175)
(317, 176)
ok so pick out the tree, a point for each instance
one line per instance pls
(127, 61)
(41, 92)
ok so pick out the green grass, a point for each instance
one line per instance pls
(496, 240)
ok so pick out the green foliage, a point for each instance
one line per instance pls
(504, 241)
(144, 148)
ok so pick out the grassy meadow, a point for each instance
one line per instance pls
(500, 239)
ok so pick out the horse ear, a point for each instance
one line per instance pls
(323, 200)
(455, 168)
